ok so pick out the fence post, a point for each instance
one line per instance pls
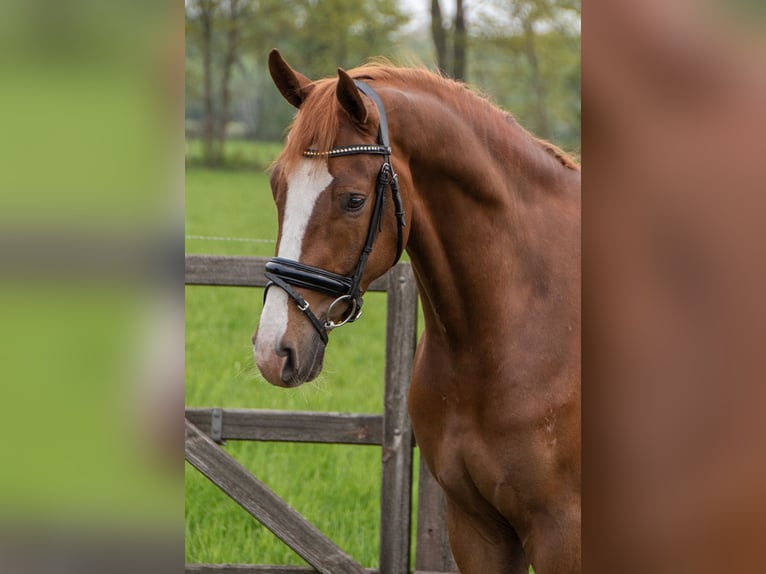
(396, 487)
(433, 552)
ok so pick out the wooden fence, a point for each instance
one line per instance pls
(205, 427)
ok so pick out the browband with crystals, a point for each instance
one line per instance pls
(349, 150)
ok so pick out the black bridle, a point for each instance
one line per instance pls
(286, 273)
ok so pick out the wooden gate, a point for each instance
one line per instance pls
(391, 430)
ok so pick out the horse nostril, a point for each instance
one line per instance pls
(288, 368)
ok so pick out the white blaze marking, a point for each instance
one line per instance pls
(304, 185)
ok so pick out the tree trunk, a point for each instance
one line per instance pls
(208, 125)
(439, 35)
(542, 127)
(232, 56)
(459, 43)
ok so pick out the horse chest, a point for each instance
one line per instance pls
(491, 443)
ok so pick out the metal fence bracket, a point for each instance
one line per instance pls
(216, 426)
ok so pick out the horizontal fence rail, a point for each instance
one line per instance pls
(206, 426)
(290, 426)
(254, 569)
(239, 271)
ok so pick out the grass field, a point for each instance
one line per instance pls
(337, 487)
(239, 154)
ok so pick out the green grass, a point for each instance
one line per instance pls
(238, 154)
(337, 487)
(229, 204)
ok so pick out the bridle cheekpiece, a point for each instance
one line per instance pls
(287, 274)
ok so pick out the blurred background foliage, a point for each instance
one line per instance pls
(523, 54)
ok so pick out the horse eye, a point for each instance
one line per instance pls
(355, 202)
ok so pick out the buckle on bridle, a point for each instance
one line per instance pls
(385, 177)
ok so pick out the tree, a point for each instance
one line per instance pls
(535, 18)
(227, 43)
(439, 35)
(345, 33)
(234, 20)
(526, 54)
(453, 65)
(459, 43)
(201, 28)
(215, 27)
(528, 13)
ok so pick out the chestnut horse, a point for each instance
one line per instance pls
(382, 158)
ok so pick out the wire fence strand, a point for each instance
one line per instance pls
(238, 239)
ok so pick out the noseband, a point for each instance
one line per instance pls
(286, 273)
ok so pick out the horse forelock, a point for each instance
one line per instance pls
(315, 126)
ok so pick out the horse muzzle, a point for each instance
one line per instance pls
(287, 351)
(288, 365)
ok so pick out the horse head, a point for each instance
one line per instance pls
(327, 185)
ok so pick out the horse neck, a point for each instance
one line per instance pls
(495, 222)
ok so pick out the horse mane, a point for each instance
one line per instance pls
(316, 124)
(565, 159)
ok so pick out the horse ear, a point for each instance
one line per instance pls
(294, 86)
(349, 97)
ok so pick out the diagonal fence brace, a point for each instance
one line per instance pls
(265, 506)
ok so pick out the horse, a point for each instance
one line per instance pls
(381, 159)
